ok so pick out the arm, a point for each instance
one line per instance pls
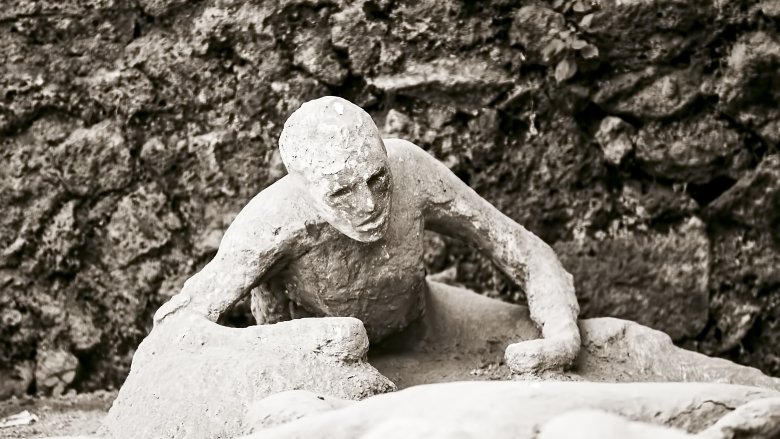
(254, 243)
(452, 208)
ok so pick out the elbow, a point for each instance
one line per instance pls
(194, 294)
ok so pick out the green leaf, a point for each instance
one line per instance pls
(589, 51)
(586, 21)
(552, 48)
(581, 6)
(578, 44)
(565, 69)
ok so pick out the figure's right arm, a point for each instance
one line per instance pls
(254, 244)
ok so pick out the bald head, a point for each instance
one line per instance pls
(335, 148)
(324, 134)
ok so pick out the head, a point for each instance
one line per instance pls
(335, 149)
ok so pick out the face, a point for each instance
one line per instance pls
(353, 191)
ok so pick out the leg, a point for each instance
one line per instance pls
(760, 418)
(600, 424)
(270, 306)
(461, 336)
(470, 322)
(457, 318)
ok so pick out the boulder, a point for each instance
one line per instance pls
(142, 222)
(755, 199)
(16, 381)
(747, 90)
(352, 31)
(158, 8)
(635, 33)
(770, 8)
(95, 159)
(745, 317)
(662, 96)
(467, 84)
(616, 350)
(55, 370)
(535, 28)
(658, 279)
(694, 151)
(193, 378)
(314, 54)
(57, 249)
(614, 138)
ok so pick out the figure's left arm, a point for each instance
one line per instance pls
(452, 208)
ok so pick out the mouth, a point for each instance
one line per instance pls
(372, 223)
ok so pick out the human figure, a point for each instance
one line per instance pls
(342, 235)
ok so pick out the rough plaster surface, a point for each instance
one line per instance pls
(193, 378)
(516, 409)
(175, 107)
(756, 419)
(463, 336)
(590, 423)
(303, 241)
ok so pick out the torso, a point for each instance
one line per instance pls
(381, 283)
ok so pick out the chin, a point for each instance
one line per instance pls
(371, 237)
(368, 236)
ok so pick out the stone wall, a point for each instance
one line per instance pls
(638, 137)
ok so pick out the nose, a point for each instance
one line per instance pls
(365, 200)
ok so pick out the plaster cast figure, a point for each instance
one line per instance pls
(342, 235)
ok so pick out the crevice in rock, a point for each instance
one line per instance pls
(82, 382)
(672, 421)
(753, 335)
(166, 18)
(590, 117)
(707, 192)
(753, 141)
(353, 86)
(20, 123)
(239, 315)
(374, 12)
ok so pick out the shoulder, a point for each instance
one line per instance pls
(419, 175)
(431, 181)
(279, 212)
(418, 166)
(410, 161)
(400, 149)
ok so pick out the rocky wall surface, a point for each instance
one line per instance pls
(639, 138)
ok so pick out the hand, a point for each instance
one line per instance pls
(173, 305)
(542, 355)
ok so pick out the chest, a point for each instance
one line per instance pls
(339, 263)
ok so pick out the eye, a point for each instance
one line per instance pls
(339, 192)
(378, 177)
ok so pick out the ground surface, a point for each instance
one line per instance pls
(64, 416)
(82, 414)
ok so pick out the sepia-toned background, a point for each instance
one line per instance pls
(638, 137)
